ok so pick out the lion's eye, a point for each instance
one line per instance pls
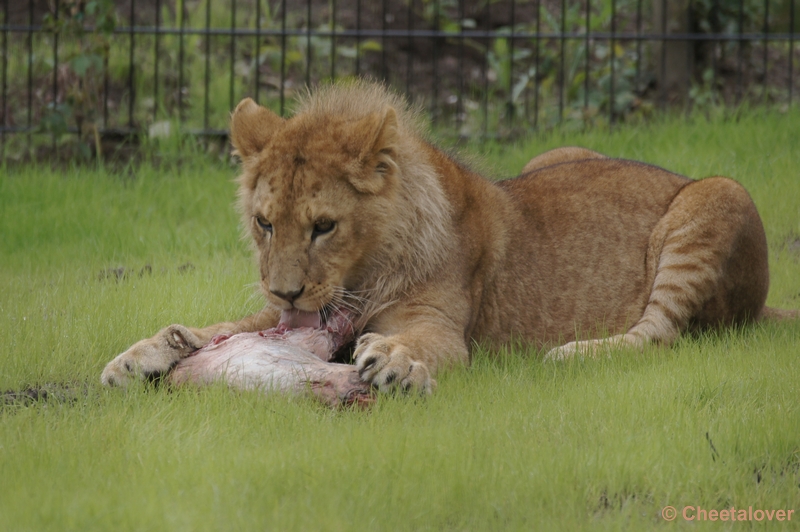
(322, 227)
(263, 224)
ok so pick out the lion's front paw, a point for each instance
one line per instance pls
(388, 365)
(152, 356)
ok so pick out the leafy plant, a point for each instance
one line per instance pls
(91, 25)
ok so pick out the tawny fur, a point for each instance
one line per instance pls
(561, 155)
(435, 257)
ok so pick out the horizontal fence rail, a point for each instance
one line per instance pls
(97, 70)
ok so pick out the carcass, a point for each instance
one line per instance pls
(290, 358)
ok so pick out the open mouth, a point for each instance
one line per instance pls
(296, 318)
(329, 317)
(336, 321)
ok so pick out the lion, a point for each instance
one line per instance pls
(349, 206)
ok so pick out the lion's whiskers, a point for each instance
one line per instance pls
(254, 301)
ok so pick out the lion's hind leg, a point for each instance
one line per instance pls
(708, 258)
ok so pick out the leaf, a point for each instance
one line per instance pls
(450, 26)
(85, 151)
(346, 51)
(55, 119)
(294, 56)
(82, 63)
(107, 23)
(501, 48)
(522, 53)
(371, 46)
(519, 86)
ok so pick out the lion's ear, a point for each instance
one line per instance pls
(252, 126)
(383, 127)
(378, 136)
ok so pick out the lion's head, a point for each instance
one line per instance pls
(343, 208)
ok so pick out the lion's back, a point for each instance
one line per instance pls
(581, 234)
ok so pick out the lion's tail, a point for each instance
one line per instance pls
(779, 314)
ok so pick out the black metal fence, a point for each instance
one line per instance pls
(97, 69)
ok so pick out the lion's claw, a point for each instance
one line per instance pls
(388, 366)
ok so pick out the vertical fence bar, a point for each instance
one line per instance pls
(257, 53)
(207, 77)
(333, 40)
(283, 56)
(766, 45)
(460, 75)
(410, 54)
(5, 79)
(435, 59)
(181, 31)
(526, 100)
(510, 111)
(561, 53)
(485, 73)
(662, 89)
(715, 45)
(384, 70)
(638, 79)
(791, 50)
(30, 73)
(612, 86)
(690, 45)
(536, 64)
(308, 43)
(527, 88)
(131, 63)
(156, 53)
(587, 55)
(358, 37)
(55, 71)
(106, 84)
(232, 66)
(740, 60)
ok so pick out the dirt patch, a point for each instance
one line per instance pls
(793, 245)
(59, 393)
(123, 273)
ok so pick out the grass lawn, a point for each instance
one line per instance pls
(91, 261)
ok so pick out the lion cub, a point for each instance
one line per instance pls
(350, 207)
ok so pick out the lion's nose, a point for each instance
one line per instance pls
(288, 296)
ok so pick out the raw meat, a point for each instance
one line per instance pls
(285, 359)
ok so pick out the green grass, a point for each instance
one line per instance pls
(509, 443)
